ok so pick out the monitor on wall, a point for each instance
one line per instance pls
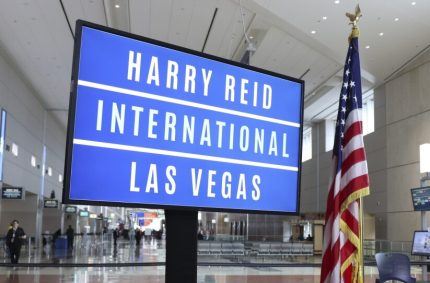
(421, 198)
(421, 243)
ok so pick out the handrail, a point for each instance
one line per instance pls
(199, 263)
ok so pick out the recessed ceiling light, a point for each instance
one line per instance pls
(313, 32)
(413, 3)
(396, 19)
(336, 2)
(381, 34)
(116, 5)
(367, 46)
(324, 18)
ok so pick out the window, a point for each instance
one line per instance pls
(307, 144)
(307, 229)
(15, 149)
(2, 138)
(330, 131)
(33, 161)
(368, 115)
(368, 118)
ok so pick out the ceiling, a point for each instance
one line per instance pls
(37, 37)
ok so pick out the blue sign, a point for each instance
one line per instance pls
(156, 125)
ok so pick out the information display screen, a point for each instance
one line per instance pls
(50, 203)
(84, 213)
(421, 198)
(70, 209)
(157, 125)
(421, 243)
(12, 193)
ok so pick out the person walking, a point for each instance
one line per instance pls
(70, 233)
(138, 236)
(14, 238)
(115, 236)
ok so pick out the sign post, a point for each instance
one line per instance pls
(159, 126)
(181, 246)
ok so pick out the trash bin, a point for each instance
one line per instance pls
(61, 243)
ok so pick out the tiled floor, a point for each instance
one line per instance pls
(153, 251)
(156, 275)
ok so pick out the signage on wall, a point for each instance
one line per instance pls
(70, 209)
(84, 213)
(156, 125)
(50, 203)
(421, 198)
(12, 193)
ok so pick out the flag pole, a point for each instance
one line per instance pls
(355, 32)
(361, 254)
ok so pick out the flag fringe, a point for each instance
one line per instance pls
(353, 197)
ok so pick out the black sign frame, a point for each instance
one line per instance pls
(412, 196)
(53, 201)
(71, 118)
(20, 189)
(75, 209)
(86, 211)
(413, 242)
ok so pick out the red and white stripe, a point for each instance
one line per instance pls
(352, 177)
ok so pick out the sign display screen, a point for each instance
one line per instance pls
(12, 193)
(50, 203)
(421, 198)
(84, 213)
(157, 125)
(421, 243)
(70, 209)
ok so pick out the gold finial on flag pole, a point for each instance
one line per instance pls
(353, 20)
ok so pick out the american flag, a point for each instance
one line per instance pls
(349, 181)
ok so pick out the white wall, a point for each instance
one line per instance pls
(24, 127)
(402, 118)
(407, 119)
(21, 210)
(25, 116)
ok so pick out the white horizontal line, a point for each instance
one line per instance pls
(186, 103)
(182, 154)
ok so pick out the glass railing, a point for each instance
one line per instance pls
(216, 249)
(372, 247)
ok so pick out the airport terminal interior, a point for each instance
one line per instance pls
(93, 155)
